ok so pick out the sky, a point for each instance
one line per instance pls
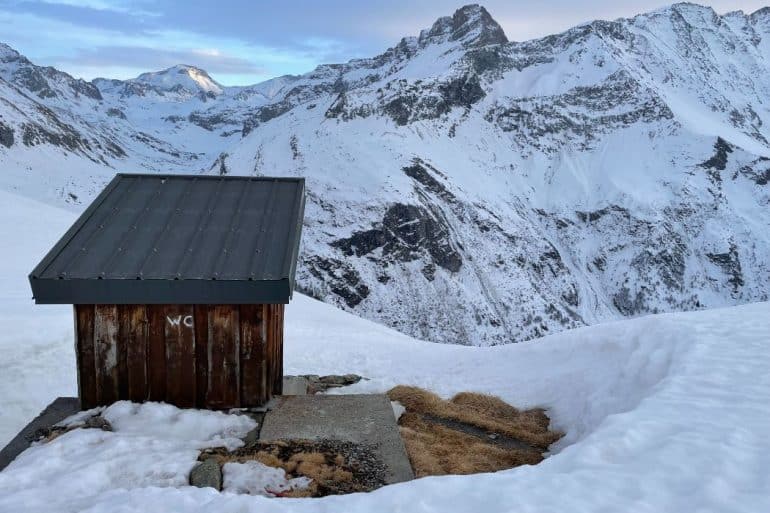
(242, 42)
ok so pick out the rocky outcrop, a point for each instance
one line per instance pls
(406, 233)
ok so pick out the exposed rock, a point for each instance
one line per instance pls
(718, 162)
(341, 278)
(207, 473)
(6, 135)
(470, 24)
(462, 91)
(98, 422)
(406, 232)
(730, 263)
(220, 164)
(116, 113)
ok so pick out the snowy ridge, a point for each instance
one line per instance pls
(464, 188)
(181, 76)
(656, 409)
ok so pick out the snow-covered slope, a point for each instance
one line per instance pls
(667, 412)
(463, 188)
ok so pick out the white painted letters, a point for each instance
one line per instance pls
(186, 320)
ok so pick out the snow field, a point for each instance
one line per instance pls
(661, 413)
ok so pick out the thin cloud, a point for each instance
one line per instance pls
(242, 40)
(212, 60)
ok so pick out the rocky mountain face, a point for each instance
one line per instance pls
(464, 188)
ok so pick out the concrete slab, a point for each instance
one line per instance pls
(364, 419)
(55, 412)
(295, 385)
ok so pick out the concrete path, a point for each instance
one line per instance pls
(365, 419)
(55, 412)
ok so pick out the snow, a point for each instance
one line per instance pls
(661, 413)
(256, 478)
(609, 115)
(36, 342)
(151, 445)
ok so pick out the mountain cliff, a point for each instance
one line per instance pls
(462, 187)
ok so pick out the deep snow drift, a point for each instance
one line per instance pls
(662, 413)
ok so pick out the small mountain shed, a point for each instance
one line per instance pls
(179, 285)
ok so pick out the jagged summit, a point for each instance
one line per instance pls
(8, 54)
(471, 24)
(181, 76)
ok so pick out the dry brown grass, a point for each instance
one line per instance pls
(454, 446)
(436, 450)
(329, 471)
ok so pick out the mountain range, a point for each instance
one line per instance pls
(462, 187)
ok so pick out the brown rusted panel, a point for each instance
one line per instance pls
(179, 333)
(223, 390)
(84, 349)
(106, 353)
(251, 355)
(156, 353)
(133, 333)
(200, 317)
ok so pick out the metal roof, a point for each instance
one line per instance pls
(154, 239)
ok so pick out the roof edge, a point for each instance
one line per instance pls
(212, 177)
(49, 291)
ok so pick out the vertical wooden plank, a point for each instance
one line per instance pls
(251, 355)
(121, 346)
(201, 317)
(268, 354)
(180, 355)
(156, 353)
(223, 390)
(277, 362)
(133, 331)
(106, 353)
(264, 365)
(84, 349)
(272, 351)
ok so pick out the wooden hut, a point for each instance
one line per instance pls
(179, 285)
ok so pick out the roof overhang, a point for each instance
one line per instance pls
(153, 292)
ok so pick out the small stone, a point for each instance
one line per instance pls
(344, 380)
(207, 474)
(98, 422)
(252, 436)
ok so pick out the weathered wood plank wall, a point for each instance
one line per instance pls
(205, 356)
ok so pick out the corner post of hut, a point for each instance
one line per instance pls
(179, 285)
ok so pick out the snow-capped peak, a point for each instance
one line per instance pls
(8, 54)
(181, 77)
(470, 24)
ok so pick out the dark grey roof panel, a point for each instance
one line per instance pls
(151, 228)
(161, 292)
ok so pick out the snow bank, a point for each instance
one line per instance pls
(151, 445)
(256, 478)
(662, 413)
